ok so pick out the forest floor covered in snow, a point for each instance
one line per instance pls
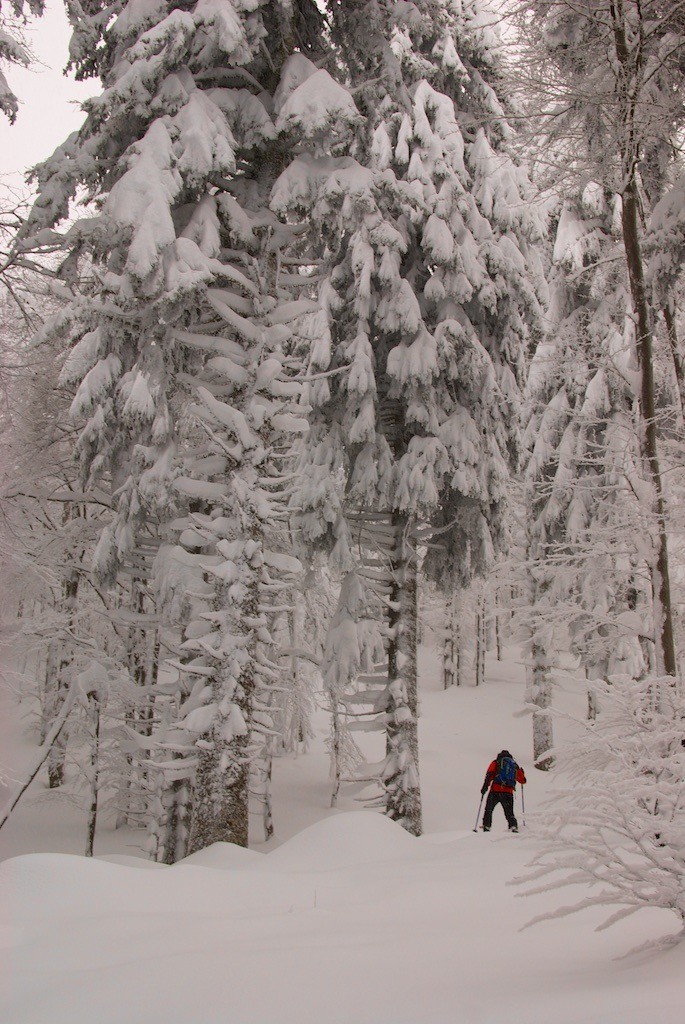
(343, 918)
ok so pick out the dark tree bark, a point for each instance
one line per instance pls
(630, 59)
(94, 709)
(403, 802)
(58, 686)
(661, 587)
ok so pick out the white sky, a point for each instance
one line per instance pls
(49, 109)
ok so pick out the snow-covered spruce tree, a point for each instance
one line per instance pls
(426, 309)
(134, 277)
(236, 539)
(240, 474)
(179, 153)
(621, 824)
(584, 566)
(607, 79)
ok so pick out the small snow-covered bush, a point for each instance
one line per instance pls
(621, 823)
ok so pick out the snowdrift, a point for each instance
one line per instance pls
(352, 920)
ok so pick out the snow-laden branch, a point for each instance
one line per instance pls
(43, 752)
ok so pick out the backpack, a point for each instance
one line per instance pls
(505, 773)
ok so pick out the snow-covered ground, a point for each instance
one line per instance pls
(343, 919)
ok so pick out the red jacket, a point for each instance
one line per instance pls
(496, 788)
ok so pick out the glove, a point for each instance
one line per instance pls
(484, 789)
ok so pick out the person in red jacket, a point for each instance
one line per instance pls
(501, 778)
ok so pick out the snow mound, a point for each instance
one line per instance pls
(130, 862)
(207, 946)
(46, 891)
(224, 857)
(344, 840)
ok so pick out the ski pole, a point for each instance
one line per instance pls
(523, 809)
(478, 815)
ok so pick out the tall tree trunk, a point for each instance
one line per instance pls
(134, 666)
(294, 732)
(388, 693)
(630, 61)
(540, 684)
(497, 624)
(403, 801)
(48, 689)
(661, 587)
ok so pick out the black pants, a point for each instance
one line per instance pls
(507, 802)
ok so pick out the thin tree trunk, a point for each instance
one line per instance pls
(661, 587)
(481, 639)
(630, 63)
(62, 681)
(262, 771)
(448, 646)
(43, 753)
(297, 728)
(452, 640)
(267, 812)
(126, 785)
(498, 627)
(49, 690)
(335, 752)
(540, 695)
(94, 707)
(678, 362)
(592, 707)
